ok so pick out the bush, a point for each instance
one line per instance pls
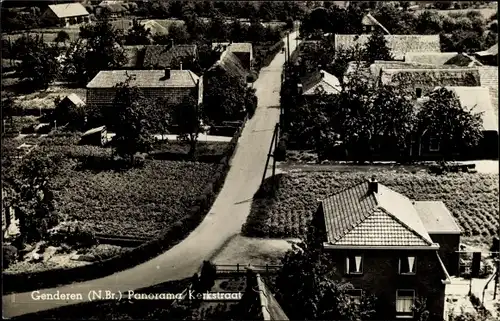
(9, 254)
(252, 76)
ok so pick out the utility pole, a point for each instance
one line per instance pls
(288, 44)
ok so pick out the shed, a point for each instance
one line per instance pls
(96, 136)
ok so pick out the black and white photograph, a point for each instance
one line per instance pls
(250, 160)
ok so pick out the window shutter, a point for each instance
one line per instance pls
(358, 263)
(411, 264)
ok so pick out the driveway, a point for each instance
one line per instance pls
(225, 219)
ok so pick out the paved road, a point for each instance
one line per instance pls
(225, 219)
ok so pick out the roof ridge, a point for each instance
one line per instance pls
(404, 224)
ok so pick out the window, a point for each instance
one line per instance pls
(418, 92)
(433, 144)
(354, 295)
(354, 264)
(407, 265)
(404, 303)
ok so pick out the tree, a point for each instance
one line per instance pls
(377, 49)
(307, 288)
(62, 36)
(444, 118)
(132, 126)
(188, 116)
(138, 34)
(178, 33)
(256, 32)
(103, 50)
(39, 63)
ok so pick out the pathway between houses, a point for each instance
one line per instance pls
(225, 219)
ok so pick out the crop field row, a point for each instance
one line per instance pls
(471, 198)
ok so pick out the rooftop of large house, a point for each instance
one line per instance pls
(234, 46)
(159, 56)
(478, 99)
(399, 44)
(145, 78)
(442, 58)
(369, 20)
(321, 81)
(66, 10)
(232, 65)
(432, 77)
(371, 214)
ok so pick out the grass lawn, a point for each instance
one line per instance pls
(139, 202)
(471, 198)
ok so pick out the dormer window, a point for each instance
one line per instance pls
(407, 265)
(354, 264)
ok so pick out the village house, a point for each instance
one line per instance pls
(231, 65)
(242, 50)
(319, 82)
(398, 44)
(66, 14)
(442, 58)
(172, 85)
(385, 244)
(371, 25)
(170, 56)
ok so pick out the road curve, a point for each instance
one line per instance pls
(224, 220)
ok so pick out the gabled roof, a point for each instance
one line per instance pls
(479, 99)
(399, 44)
(65, 10)
(369, 20)
(322, 81)
(234, 46)
(145, 79)
(492, 51)
(431, 77)
(77, 101)
(159, 56)
(358, 217)
(489, 78)
(436, 217)
(232, 65)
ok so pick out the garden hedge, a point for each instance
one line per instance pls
(264, 56)
(23, 282)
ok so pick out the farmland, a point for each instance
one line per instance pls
(471, 198)
(139, 202)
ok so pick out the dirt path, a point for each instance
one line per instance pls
(225, 219)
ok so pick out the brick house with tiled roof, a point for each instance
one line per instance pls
(384, 244)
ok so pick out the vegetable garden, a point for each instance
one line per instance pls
(285, 212)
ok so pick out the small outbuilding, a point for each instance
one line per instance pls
(96, 136)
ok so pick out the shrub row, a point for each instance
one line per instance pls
(22, 282)
(264, 55)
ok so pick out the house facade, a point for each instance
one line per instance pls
(172, 85)
(377, 241)
(66, 14)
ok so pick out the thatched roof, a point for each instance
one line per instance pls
(442, 58)
(232, 65)
(320, 80)
(430, 78)
(478, 98)
(399, 44)
(234, 46)
(158, 56)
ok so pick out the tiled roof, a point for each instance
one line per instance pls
(378, 65)
(399, 44)
(492, 51)
(464, 60)
(369, 20)
(144, 78)
(65, 10)
(430, 58)
(356, 216)
(432, 77)
(232, 65)
(321, 80)
(479, 99)
(489, 78)
(158, 56)
(436, 217)
(235, 46)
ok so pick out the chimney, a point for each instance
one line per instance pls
(322, 74)
(180, 66)
(373, 185)
(299, 89)
(167, 73)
